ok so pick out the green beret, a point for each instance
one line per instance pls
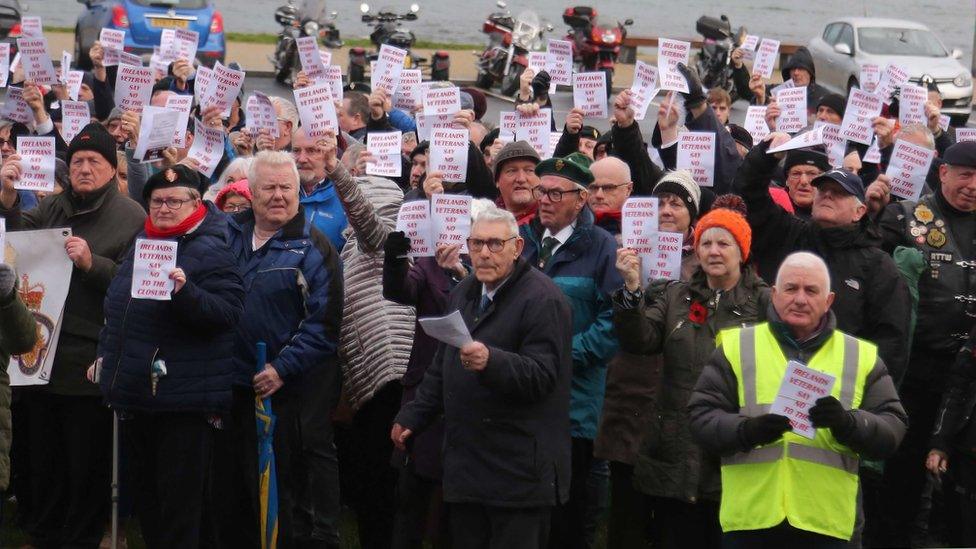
(580, 159)
(564, 167)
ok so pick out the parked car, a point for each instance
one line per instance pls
(848, 43)
(143, 22)
(10, 12)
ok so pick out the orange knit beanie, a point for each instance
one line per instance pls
(731, 221)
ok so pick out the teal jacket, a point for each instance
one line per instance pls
(323, 210)
(584, 268)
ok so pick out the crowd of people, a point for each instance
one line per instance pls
(586, 395)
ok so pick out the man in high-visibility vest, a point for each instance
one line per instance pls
(780, 488)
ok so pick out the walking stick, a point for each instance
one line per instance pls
(115, 480)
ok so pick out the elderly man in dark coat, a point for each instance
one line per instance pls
(504, 396)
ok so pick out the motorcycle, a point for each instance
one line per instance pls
(595, 46)
(714, 60)
(387, 30)
(509, 42)
(307, 20)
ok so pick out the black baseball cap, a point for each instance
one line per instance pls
(847, 179)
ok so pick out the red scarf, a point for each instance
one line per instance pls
(605, 215)
(191, 221)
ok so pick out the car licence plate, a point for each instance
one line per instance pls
(160, 23)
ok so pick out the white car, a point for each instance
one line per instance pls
(848, 43)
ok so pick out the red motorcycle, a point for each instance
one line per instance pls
(510, 39)
(595, 46)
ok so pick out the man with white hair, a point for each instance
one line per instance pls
(504, 396)
(294, 306)
(780, 488)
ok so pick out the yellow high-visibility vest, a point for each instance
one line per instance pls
(812, 484)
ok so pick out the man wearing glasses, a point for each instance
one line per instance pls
(504, 396)
(563, 242)
(610, 189)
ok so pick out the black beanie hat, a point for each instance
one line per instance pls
(741, 135)
(489, 139)
(835, 102)
(179, 175)
(94, 137)
(810, 156)
(421, 148)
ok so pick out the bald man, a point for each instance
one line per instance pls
(609, 190)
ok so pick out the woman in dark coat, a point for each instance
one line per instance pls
(166, 362)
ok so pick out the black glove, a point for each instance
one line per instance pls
(696, 95)
(397, 244)
(764, 429)
(8, 281)
(829, 413)
(540, 84)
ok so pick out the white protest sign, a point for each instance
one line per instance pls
(696, 153)
(911, 104)
(644, 88)
(158, 65)
(408, 92)
(907, 169)
(311, 59)
(36, 163)
(201, 81)
(749, 45)
(536, 61)
(869, 77)
(892, 77)
(316, 109)
(15, 108)
(37, 63)
(110, 58)
(535, 129)
(386, 150)
(638, 222)
(873, 154)
(785, 85)
(798, 392)
(112, 40)
(669, 54)
(862, 108)
(15, 63)
(44, 273)
(153, 261)
(559, 62)
(755, 123)
(766, 57)
(31, 27)
(225, 84)
(386, 75)
(792, 109)
(439, 101)
(65, 67)
(167, 45)
(185, 44)
(449, 329)
(74, 84)
(665, 261)
(590, 93)
(449, 154)
(427, 124)
(554, 138)
(4, 63)
(207, 148)
(181, 104)
(944, 121)
(126, 58)
(835, 144)
(261, 114)
(450, 220)
(965, 134)
(74, 116)
(133, 87)
(156, 131)
(805, 139)
(326, 57)
(333, 76)
(414, 221)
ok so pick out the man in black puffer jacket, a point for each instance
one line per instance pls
(799, 68)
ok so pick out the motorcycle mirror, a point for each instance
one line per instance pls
(549, 27)
(414, 8)
(364, 7)
(628, 22)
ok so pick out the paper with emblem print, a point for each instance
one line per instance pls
(798, 392)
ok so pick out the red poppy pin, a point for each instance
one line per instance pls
(697, 313)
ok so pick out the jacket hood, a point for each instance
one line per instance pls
(801, 59)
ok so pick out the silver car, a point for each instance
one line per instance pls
(848, 43)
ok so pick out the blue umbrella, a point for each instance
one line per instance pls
(266, 462)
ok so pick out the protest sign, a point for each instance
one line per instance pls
(153, 261)
(665, 262)
(65, 67)
(4, 63)
(805, 139)
(559, 62)
(911, 104)
(223, 88)
(873, 155)
(748, 46)
(696, 153)
(113, 41)
(862, 108)
(156, 131)
(450, 220)
(185, 44)
(869, 77)
(408, 92)
(386, 75)
(31, 26)
(200, 82)
(15, 108)
(669, 54)
(907, 169)
(181, 104)
(427, 124)
(965, 134)
(438, 101)
(310, 58)
(316, 109)
(638, 222)
(261, 115)
(385, 148)
(74, 116)
(74, 84)
(535, 129)
(892, 77)
(36, 163)
(448, 154)
(798, 392)
(554, 138)
(126, 58)
(766, 57)
(644, 88)
(207, 148)
(835, 144)
(325, 56)
(944, 121)
(590, 93)
(792, 109)
(133, 87)
(414, 221)
(333, 75)
(38, 66)
(755, 123)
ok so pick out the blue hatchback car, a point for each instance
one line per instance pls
(143, 22)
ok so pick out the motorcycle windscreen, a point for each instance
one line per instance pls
(312, 9)
(527, 27)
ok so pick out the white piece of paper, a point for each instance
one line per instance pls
(766, 57)
(15, 63)
(438, 101)
(792, 109)
(133, 87)
(158, 65)
(112, 40)
(870, 76)
(413, 221)
(427, 124)
(644, 88)
(153, 261)
(907, 169)
(755, 123)
(126, 58)
(911, 104)
(665, 261)
(15, 108)
(74, 116)
(74, 84)
(507, 124)
(559, 61)
(156, 131)
(201, 80)
(787, 84)
(798, 392)
(181, 104)
(389, 65)
(944, 121)
(31, 26)
(669, 54)
(590, 94)
(65, 67)
(333, 76)
(892, 77)
(554, 138)
(37, 62)
(385, 148)
(873, 154)
(185, 44)
(965, 134)
(223, 88)
(261, 114)
(805, 139)
(748, 46)
(325, 56)
(448, 154)
(311, 59)
(36, 163)
(638, 222)
(449, 329)
(408, 92)
(835, 144)
(167, 45)
(207, 148)
(450, 220)
(316, 109)
(110, 57)
(535, 129)
(696, 153)
(4, 63)
(862, 108)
